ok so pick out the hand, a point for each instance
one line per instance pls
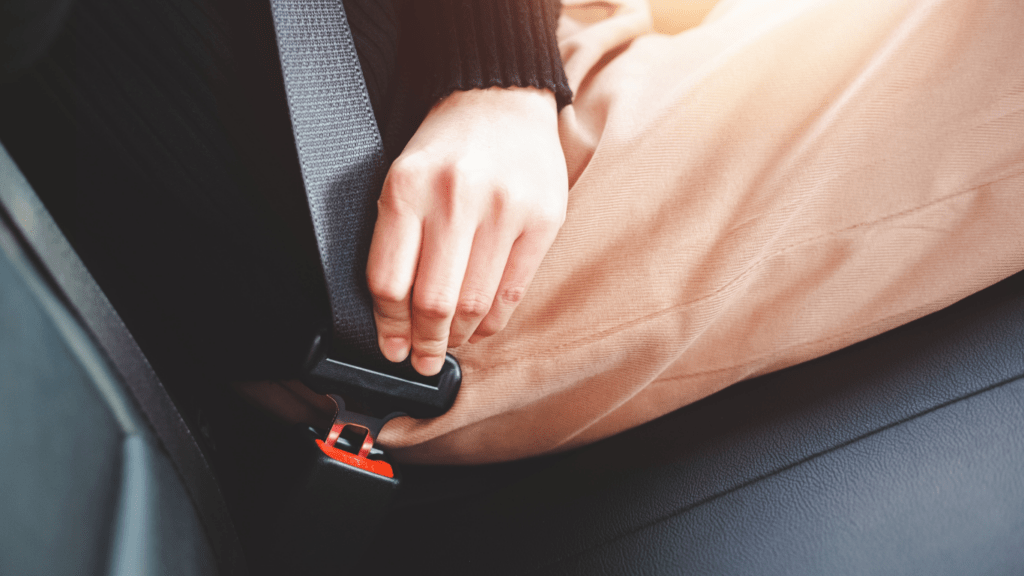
(467, 213)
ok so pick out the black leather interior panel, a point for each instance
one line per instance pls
(939, 494)
(85, 487)
(748, 453)
(60, 446)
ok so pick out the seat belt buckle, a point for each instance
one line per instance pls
(375, 397)
(379, 394)
(333, 504)
(343, 474)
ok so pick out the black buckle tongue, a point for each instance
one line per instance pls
(383, 395)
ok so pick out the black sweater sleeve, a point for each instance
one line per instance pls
(466, 44)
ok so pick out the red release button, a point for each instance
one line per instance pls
(375, 466)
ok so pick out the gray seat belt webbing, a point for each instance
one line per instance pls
(341, 155)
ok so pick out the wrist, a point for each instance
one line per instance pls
(514, 99)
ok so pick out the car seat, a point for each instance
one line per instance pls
(902, 454)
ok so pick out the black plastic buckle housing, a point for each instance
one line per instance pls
(330, 511)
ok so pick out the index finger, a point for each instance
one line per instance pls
(394, 254)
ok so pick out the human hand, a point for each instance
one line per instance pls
(467, 213)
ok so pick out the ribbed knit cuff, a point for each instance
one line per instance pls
(466, 44)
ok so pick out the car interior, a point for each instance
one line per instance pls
(902, 454)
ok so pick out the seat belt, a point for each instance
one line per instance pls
(342, 161)
(344, 485)
(341, 156)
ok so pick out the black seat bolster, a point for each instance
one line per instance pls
(34, 236)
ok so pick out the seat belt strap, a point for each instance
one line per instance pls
(342, 159)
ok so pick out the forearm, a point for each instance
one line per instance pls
(482, 44)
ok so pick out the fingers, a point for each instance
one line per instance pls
(467, 212)
(487, 262)
(394, 255)
(524, 259)
(443, 261)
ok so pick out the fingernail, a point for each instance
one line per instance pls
(427, 365)
(395, 348)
